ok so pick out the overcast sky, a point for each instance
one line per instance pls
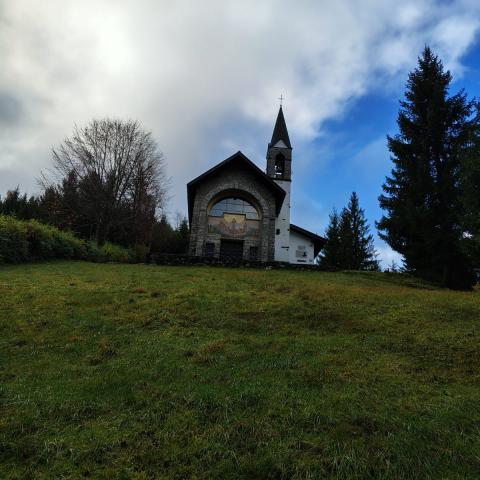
(204, 77)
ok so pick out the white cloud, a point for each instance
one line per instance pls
(204, 76)
(386, 256)
(371, 157)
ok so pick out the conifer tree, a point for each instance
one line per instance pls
(393, 267)
(422, 197)
(184, 235)
(167, 239)
(330, 256)
(162, 238)
(470, 183)
(346, 240)
(18, 205)
(356, 241)
(349, 242)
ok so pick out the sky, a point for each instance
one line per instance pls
(205, 77)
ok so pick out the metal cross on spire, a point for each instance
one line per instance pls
(281, 98)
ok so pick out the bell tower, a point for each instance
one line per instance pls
(279, 168)
(279, 153)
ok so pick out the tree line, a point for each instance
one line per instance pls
(165, 237)
(107, 183)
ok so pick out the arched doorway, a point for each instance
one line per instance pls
(236, 221)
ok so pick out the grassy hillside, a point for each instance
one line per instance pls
(134, 371)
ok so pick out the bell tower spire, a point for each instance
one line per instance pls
(279, 153)
(279, 168)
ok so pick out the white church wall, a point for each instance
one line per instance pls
(301, 249)
(282, 226)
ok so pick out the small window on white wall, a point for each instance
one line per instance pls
(301, 251)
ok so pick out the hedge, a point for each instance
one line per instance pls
(26, 241)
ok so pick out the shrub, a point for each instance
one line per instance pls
(138, 254)
(114, 253)
(13, 240)
(41, 242)
(79, 246)
(93, 252)
(23, 241)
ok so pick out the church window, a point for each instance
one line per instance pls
(279, 165)
(254, 253)
(209, 249)
(301, 251)
(278, 231)
(234, 205)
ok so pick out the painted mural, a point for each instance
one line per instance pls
(233, 225)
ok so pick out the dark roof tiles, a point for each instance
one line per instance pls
(280, 131)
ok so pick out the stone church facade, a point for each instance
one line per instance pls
(238, 211)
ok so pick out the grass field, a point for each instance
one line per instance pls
(139, 372)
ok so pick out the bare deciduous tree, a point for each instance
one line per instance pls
(120, 171)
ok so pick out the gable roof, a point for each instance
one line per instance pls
(280, 131)
(237, 158)
(318, 241)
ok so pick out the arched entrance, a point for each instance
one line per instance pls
(235, 220)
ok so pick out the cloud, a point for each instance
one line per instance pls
(386, 256)
(204, 76)
(370, 158)
(10, 110)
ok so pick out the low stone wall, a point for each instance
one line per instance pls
(175, 259)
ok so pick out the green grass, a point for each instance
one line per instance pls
(140, 372)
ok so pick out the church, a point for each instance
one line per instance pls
(237, 211)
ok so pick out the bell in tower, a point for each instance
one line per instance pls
(279, 153)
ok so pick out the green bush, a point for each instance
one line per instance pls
(41, 241)
(23, 241)
(13, 240)
(114, 253)
(138, 254)
(80, 251)
(93, 252)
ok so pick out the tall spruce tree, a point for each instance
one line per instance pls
(183, 235)
(356, 241)
(349, 242)
(422, 197)
(330, 257)
(470, 182)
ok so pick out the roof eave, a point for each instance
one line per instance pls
(278, 191)
(318, 241)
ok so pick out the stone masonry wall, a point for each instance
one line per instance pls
(231, 181)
